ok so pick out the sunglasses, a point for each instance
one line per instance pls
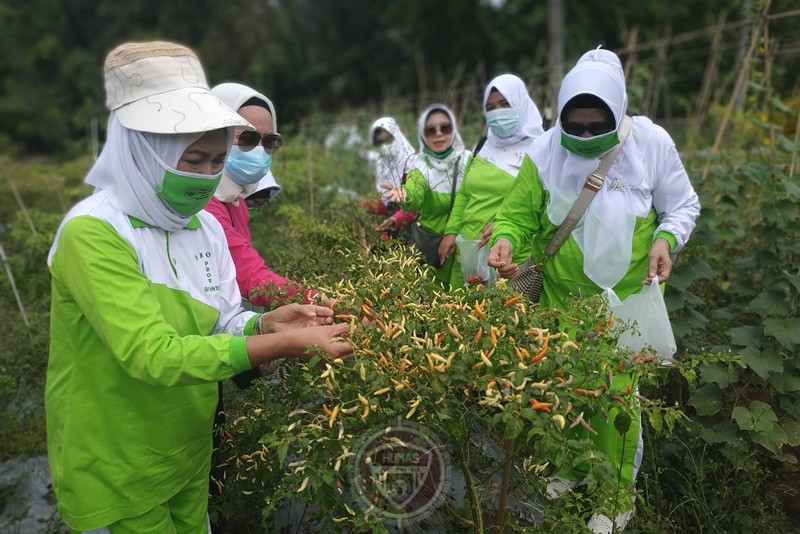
(594, 128)
(250, 139)
(446, 129)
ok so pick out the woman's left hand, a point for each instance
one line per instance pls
(660, 262)
(294, 316)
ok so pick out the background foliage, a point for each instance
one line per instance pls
(729, 465)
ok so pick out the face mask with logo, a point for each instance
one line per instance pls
(589, 147)
(187, 193)
(246, 167)
(503, 121)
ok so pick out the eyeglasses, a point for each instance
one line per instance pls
(594, 128)
(446, 129)
(250, 139)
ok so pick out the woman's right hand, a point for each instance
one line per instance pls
(446, 247)
(394, 193)
(500, 257)
(323, 337)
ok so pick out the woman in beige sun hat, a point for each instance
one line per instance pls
(146, 316)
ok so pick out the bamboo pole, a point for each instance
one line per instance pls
(738, 89)
(709, 78)
(21, 205)
(10, 276)
(309, 165)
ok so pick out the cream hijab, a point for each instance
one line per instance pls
(391, 160)
(515, 92)
(131, 167)
(605, 233)
(234, 95)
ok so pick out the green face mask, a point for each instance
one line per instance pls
(589, 147)
(187, 193)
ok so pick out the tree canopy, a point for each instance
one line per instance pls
(327, 55)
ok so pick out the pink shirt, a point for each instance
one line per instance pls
(251, 269)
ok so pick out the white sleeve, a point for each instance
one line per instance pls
(674, 197)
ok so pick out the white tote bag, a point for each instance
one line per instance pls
(645, 316)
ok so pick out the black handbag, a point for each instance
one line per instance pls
(428, 242)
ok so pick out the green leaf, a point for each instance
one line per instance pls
(791, 187)
(622, 422)
(706, 399)
(788, 381)
(656, 421)
(792, 429)
(770, 304)
(762, 362)
(722, 432)
(718, 373)
(785, 330)
(780, 106)
(747, 336)
(759, 417)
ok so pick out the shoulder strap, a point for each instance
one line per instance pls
(479, 146)
(453, 190)
(594, 182)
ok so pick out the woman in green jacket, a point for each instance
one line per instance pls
(434, 180)
(514, 122)
(644, 213)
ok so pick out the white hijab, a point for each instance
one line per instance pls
(392, 160)
(441, 172)
(515, 92)
(605, 233)
(131, 167)
(234, 95)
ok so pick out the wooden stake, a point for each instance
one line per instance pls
(21, 204)
(738, 89)
(10, 276)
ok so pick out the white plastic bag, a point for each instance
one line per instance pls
(474, 261)
(645, 315)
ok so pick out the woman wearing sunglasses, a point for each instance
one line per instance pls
(643, 214)
(432, 184)
(247, 164)
(514, 122)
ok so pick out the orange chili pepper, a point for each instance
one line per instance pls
(479, 311)
(512, 300)
(589, 392)
(493, 335)
(619, 366)
(540, 406)
(479, 334)
(544, 349)
(598, 327)
(610, 323)
(326, 410)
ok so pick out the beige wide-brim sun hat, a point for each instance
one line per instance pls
(160, 87)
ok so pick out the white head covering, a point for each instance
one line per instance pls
(268, 186)
(234, 95)
(515, 92)
(392, 160)
(605, 232)
(131, 167)
(456, 144)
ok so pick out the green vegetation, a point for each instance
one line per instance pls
(722, 427)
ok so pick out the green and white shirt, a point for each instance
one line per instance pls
(132, 312)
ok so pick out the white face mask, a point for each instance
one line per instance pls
(503, 121)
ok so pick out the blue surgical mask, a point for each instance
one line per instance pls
(246, 167)
(503, 121)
